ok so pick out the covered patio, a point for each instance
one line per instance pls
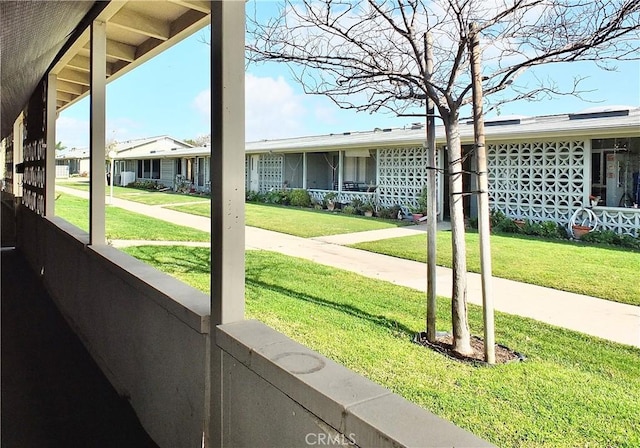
(192, 369)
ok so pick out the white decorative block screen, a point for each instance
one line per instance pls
(402, 175)
(270, 170)
(620, 220)
(540, 181)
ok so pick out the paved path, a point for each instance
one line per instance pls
(609, 320)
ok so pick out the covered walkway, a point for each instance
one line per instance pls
(53, 393)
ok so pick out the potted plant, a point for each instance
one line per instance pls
(367, 209)
(579, 231)
(330, 200)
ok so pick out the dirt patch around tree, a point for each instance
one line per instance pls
(444, 345)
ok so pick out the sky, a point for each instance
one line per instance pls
(169, 95)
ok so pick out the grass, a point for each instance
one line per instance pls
(125, 225)
(305, 223)
(573, 390)
(141, 196)
(597, 271)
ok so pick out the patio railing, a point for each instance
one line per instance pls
(345, 197)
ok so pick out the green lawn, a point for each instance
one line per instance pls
(124, 225)
(597, 271)
(573, 390)
(305, 223)
(142, 196)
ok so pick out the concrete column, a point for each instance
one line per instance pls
(227, 191)
(97, 133)
(50, 167)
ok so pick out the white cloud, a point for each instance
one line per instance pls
(202, 103)
(72, 132)
(273, 110)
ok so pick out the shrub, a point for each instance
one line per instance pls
(299, 198)
(254, 196)
(146, 185)
(349, 210)
(330, 197)
(612, 238)
(422, 201)
(277, 197)
(389, 212)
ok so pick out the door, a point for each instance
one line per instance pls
(254, 174)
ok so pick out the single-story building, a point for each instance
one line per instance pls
(540, 168)
(134, 160)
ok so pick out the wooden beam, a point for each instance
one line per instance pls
(70, 87)
(196, 5)
(185, 21)
(141, 24)
(74, 76)
(121, 51)
(81, 63)
(66, 97)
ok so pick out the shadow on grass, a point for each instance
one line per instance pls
(380, 321)
(180, 259)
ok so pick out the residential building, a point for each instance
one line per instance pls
(540, 168)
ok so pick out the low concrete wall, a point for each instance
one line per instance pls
(146, 330)
(149, 334)
(283, 394)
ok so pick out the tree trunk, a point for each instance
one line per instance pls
(459, 320)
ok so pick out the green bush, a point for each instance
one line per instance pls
(146, 185)
(254, 196)
(612, 238)
(349, 210)
(299, 198)
(389, 212)
(279, 197)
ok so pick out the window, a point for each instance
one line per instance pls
(149, 169)
(615, 171)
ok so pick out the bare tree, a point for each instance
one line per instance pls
(200, 140)
(369, 56)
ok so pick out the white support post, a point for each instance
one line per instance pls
(340, 169)
(97, 133)
(304, 170)
(227, 192)
(50, 166)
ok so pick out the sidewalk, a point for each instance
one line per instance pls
(608, 320)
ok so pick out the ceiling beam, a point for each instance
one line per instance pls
(185, 21)
(121, 51)
(66, 97)
(70, 87)
(197, 5)
(82, 63)
(141, 24)
(74, 76)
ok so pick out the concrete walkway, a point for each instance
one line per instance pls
(609, 320)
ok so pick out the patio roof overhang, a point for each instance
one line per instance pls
(53, 37)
